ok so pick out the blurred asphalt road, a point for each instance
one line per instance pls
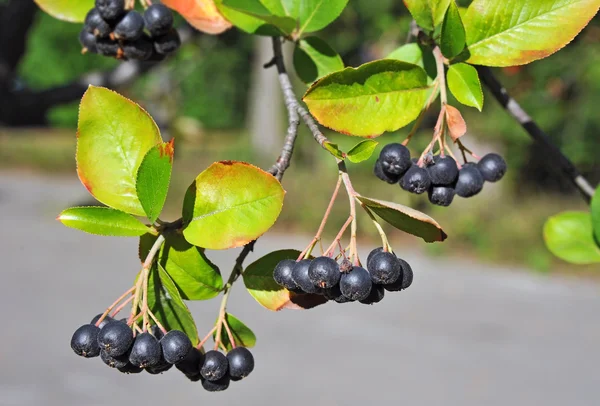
(464, 334)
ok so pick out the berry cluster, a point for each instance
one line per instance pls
(156, 352)
(112, 30)
(440, 175)
(343, 282)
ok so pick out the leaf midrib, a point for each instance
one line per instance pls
(373, 94)
(215, 212)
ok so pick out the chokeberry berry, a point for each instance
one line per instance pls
(162, 366)
(159, 19)
(324, 272)
(375, 296)
(141, 49)
(443, 170)
(405, 281)
(146, 351)
(85, 341)
(334, 293)
(131, 26)
(356, 284)
(175, 346)
(441, 195)
(119, 361)
(283, 274)
(115, 338)
(130, 368)
(104, 321)
(372, 254)
(191, 364)
(216, 386)
(301, 278)
(241, 363)
(111, 10)
(492, 167)
(108, 47)
(383, 175)
(88, 42)
(416, 180)
(168, 43)
(384, 268)
(470, 181)
(215, 366)
(395, 159)
(95, 24)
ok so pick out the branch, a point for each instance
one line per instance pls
(556, 157)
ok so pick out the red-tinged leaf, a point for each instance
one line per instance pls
(153, 178)
(201, 14)
(456, 123)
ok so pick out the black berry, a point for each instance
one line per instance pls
(383, 175)
(334, 293)
(241, 363)
(159, 19)
(301, 278)
(146, 351)
(119, 361)
(141, 49)
(375, 296)
(384, 268)
(416, 180)
(88, 42)
(324, 272)
(470, 181)
(372, 254)
(443, 170)
(162, 366)
(215, 366)
(283, 274)
(191, 364)
(356, 284)
(115, 338)
(216, 386)
(168, 43)
(111, 10)
(175, 346)
(131, 27)
(85, 341)
(492, 167)
(395, 159)
(108, 47)
(95, 24)
(130, 369)
(405, 281)
(104, 322)
(441, 195)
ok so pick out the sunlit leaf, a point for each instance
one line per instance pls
(314, 58)
(254, 18)
(362, 151)
(452, 40)
(153, 177)
(102, 221)
(595, 211)
(427, 13)
(463, 82)
(201, 14)
(66, 10)
(311, 15)
(570, 237)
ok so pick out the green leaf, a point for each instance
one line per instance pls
(314, 58)
(311, 15)
(595, 210)
(153, 177)
(67, 10)
(230, 204)
(166, 304)
(453, 39)
(427, 13)
(411, 53)
(194, 275)
(114, 134)
(242, 335)
(102, 221)
(516, 32)
(334, 150)
(379, 96)
(362, 151)
(406, 219)
(254, 18)
(463, 82)
(570, 237)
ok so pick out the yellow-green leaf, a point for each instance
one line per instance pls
(453, 32)
(241, 334)
(427, 13)
(463, 82)
(153, 177)
(314, 58)
(570, 237)
(102, 221)
(66, 10)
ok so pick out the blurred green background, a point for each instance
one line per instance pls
(202, 96)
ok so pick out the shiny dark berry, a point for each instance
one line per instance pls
(283, 274)
(141, 49)
(175, 346)
(108, 47)
(405, 281)
(301, 278)
(158, 19)
(324, 272)
(492, 167)
(383, 175)
(441, 195)
(115, 338)
(217, 385)
(470, 181)
(191, 364)
(146, 351)
(416, 180)
(395, 159)
(118, 362)
(111, 10)
(443, 170)
(168, 43)
(215, 366)
(372, 254)
(356, 284)
(162, 366)
(241, 363)
(384, 268)
(104, 322)
(95, 24)
(85, 341)
(375, 296)
(131, 27)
